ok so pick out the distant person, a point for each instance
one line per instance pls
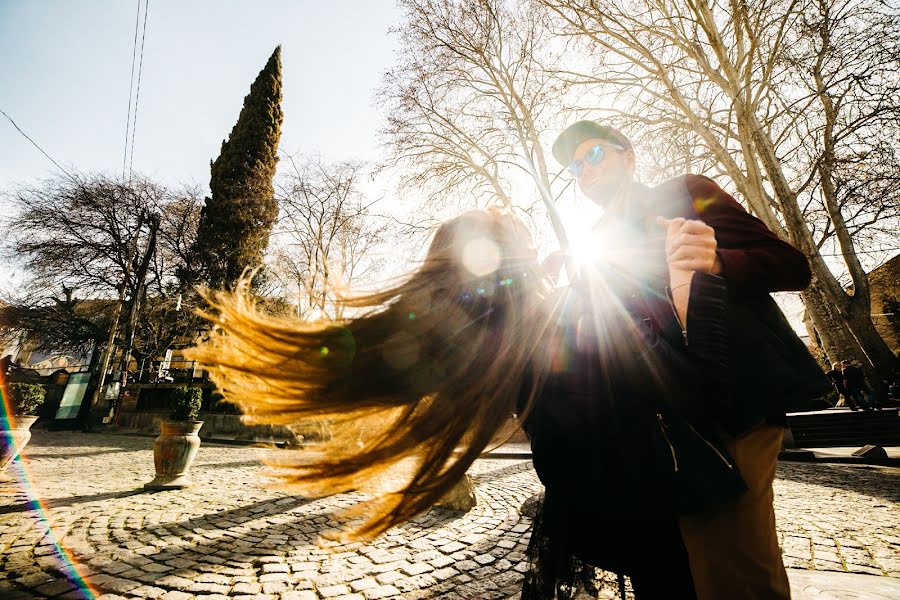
(836, 376)
(857, 386)
(7, 364)
(894, 389)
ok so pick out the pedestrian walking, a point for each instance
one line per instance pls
(836, 376)
(857, 387)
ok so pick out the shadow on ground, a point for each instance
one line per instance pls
(880, 482)
(60, 502)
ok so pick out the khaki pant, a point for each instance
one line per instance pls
(734, 553)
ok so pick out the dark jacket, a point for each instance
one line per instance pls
(755, 262)
(837, 379)
(593, 426)
(854, 378)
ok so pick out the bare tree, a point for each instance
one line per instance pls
(741, 78)
(179, 219)
(82, 232)
(87, 235)
(167, 318)
(467, 102)
(846, 107)
(58, 323)
(328, 233)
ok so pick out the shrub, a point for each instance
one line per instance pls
(185, 403)
(26, 397)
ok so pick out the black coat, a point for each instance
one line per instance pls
(755, 263)
(594, 426)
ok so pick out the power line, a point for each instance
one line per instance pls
(33, 143)
(137, 95)
(137, 20)
(859, 252)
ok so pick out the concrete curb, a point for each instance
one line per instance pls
(790, 455)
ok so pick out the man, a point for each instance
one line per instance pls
(734, 553)
(857, 387)
(836, 376)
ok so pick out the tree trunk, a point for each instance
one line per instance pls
(845, 328)
(832, 329)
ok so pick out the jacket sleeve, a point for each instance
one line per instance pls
(754, 260)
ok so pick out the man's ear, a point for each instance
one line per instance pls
(630, 161)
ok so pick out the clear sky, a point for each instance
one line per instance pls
(65, 70)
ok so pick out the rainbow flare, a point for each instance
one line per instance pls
(22, 479)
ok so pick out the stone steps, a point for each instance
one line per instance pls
(831, 428)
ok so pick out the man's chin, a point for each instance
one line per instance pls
(601, 194)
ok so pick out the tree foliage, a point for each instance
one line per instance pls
(237, 218)
(26, 397)
(80, 240)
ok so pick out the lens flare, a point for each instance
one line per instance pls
(22, 480)
(481, 256)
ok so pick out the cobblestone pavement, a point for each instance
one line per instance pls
(233, 535)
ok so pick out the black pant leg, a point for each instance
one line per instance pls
(665, 573)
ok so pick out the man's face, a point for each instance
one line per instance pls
(601, 181)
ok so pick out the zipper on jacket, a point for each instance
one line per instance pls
(662, 427)
(677, 318)
(713, 446)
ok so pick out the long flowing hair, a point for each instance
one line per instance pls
(423, 378)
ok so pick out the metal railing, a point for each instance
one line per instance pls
(173, 371)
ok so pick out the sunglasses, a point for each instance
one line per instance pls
(591, 157)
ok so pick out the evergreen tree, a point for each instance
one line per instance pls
(237, 218)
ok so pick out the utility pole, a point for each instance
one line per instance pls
(140, 291)
(94, 417)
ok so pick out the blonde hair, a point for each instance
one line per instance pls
(426, 377)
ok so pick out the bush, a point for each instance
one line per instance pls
(185, 403)
(26, 397)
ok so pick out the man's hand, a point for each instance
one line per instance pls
(690, 245)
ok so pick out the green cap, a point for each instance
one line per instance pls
(565, 145)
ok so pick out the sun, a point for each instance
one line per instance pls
(612, 245)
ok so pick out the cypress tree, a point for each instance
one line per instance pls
(237, 218)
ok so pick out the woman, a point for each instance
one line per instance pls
(429, 372)
(425, 376)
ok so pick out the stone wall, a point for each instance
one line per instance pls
(884, 283)
(214, 426)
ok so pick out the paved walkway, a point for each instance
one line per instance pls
(232, 535)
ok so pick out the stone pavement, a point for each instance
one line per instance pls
(233, 535)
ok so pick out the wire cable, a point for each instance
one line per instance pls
(33, 143)
(855, 252)
(137, 20)
(137, 95)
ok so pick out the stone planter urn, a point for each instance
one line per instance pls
(461, 496)
(173, 452)
(14, 438)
